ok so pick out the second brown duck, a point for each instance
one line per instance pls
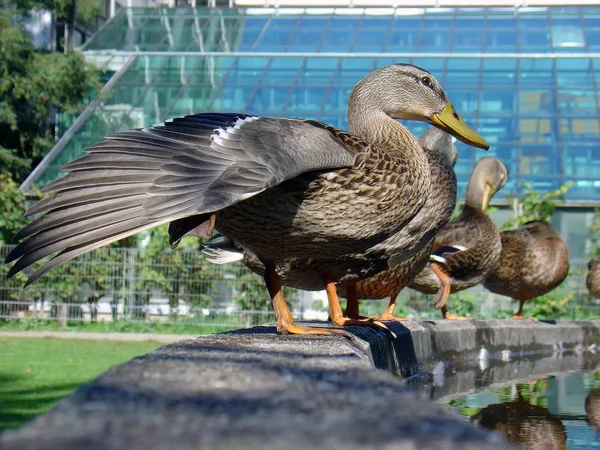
(467, 248)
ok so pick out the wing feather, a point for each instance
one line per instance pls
(196, 165)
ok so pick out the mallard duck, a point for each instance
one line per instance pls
(534, 261)
(592, 281)
(467, 248)
(392, 256)
(280, 187)
(529, 426)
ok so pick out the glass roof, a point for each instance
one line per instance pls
(540, 113)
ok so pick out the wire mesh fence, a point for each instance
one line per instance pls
(180, 286)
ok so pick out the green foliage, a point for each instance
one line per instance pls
(13, 208)
(536, 206)
(34, 87)
(594, 229)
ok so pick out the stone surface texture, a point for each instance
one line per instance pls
(255, 389)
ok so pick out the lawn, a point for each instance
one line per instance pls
(36, 373)
(119, 326)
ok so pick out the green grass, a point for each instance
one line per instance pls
(36, 373)
(119, 326)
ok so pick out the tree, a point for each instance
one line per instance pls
(34, 87)
(536, 206)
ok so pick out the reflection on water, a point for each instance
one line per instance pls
(561, 412)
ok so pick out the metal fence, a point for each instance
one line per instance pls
(180, 286)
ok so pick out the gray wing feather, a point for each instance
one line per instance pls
(140, 179)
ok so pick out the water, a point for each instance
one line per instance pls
(557, 412)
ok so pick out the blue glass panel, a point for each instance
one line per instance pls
(592, 37)
(529, 21)
(500, 40)
(505, 22)
(574, 72)
(536, 72)
(269, 100)
(403, 40)
(535, 102)
(284, 22)
(435, 37)
(305, 40)
(499, 72)
(534, 39)
(282, 70)
(337, 40)
(247, 70)
(495, 128)
(352, 70)
(461, 72)
(274, 39)
(498, 101)
(370, 39)
(467, 40)
(318, 71)
(307, 98)
(581, 160)
(233, 99)
(337, 100)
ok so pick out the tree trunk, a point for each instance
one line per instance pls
(70, 27)
(61, 315)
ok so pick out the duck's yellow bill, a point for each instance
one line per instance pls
(488, 193)
(449, 121)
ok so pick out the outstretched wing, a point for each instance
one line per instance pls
(143, 178)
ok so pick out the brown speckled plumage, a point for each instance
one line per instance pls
(402, 251)
(472, 239)
(592, 281)
(531, 427)
(533, 262)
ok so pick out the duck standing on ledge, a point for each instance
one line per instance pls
(466, 249)
(392, 256)
(280, 187)
(534, 261)
(592, 280)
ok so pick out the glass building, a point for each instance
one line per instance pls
(526, 78)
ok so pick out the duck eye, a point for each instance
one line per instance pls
(426, 81)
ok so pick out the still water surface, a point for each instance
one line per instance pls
(559, 412)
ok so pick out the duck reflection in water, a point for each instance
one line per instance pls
(529, 426)
(592, 409)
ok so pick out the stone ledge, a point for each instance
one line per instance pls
(254, 389)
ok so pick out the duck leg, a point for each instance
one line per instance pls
(337, 317)
(519, 314)
(441, 297)
(389, 312)
(446, 315)
(352, 308)
(283, 315)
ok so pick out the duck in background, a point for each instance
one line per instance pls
(533, 262)
(592, 280)
(467, 248)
